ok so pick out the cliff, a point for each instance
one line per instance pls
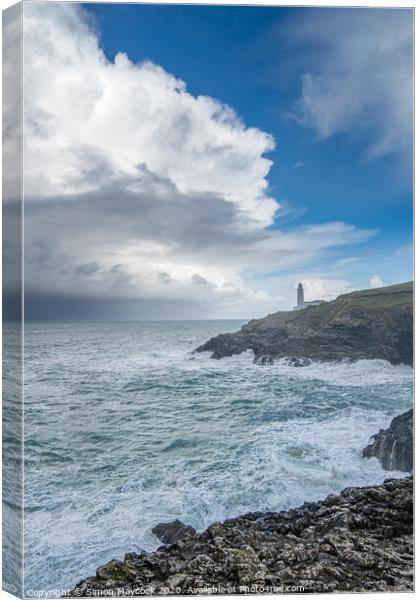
(360, 540)
(367, 324)
(394, 446)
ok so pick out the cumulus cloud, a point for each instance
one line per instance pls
(136, 190)
(130, 114)
(361, 78)
(376, 282)
(325, 289)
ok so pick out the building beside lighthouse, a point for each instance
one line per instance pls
(300, 303)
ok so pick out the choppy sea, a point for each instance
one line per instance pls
(125, 428)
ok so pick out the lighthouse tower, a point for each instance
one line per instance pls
(300, 298)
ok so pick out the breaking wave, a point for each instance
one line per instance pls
(125, 429)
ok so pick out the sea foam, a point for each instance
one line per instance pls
(125, 428)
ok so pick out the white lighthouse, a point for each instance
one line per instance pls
(301, 299)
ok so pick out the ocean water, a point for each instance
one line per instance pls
(125, 428)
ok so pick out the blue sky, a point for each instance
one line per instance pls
(286, 153)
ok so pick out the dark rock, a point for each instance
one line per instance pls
(298, 361)
(394, 446)
(360, 540)
(263, 360)
(375, 323)
(116, 571)
(172, 532)
(133, 556)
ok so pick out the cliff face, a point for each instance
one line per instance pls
(360, 540)
(368, 324)
(394, 446)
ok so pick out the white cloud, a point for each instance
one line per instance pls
(136, 189)
(361, 79)
(133, 114)
(376, 282)
(325, 289)
(12, 101)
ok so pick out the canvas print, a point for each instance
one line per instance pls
(207, 299)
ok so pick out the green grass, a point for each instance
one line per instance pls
(374, 299)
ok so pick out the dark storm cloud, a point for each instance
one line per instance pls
(87, 269)
(48, 306)
(67, 237)
(145, 208)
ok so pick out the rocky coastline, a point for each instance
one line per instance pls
(393, 447)
(368, 324)
(360, 540)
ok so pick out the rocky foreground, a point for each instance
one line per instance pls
(360, 540)
(369, 324)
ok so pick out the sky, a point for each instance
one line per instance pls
(198, 161)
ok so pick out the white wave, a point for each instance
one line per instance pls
(151, 433)
(343, 373)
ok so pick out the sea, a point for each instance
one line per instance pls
(125, 428)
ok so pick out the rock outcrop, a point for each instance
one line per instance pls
(360, 540)
(394, 446)
(369, 324)
(172, 532)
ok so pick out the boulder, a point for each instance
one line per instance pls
(394, 446)
(172, 532)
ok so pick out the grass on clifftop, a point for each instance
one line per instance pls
(385, 297)
(375, 298)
